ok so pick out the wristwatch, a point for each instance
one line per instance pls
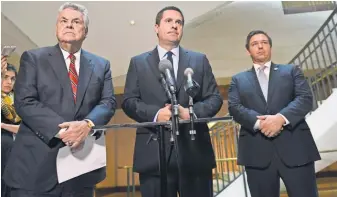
(89, 123)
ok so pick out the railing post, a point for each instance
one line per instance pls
(128, 182)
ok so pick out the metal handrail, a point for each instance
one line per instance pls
(315, 35)
(320, 55)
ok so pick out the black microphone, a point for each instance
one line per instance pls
(165, 66)
(164, 84)
(191, 86)
(192, 89)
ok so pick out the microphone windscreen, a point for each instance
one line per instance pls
(164, 64)
(188, 71)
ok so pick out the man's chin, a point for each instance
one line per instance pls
(175, 41)
(69, 41)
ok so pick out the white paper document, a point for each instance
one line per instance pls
(91, 156)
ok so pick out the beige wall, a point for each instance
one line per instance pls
(120, 145)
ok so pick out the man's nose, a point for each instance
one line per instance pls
(69, 25)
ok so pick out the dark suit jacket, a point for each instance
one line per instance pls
(288, 94)
(6, 143)
(43, 99)
(144, 96)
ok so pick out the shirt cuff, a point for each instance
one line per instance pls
(285, 119)
(257, 125)
(61, 131)
(156, 116)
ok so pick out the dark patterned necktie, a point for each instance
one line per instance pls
(169, 58)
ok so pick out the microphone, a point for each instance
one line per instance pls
(191, 86)
(165, 66)
(164, 84)
(192, 89)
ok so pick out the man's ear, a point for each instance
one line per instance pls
(86, 32)
(156, 28)
(248, 53)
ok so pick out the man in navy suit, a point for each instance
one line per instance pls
(60, 93)
(270, 102)
(145, 100)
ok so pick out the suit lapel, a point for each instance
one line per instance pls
(86, 69)
(153, 60)
(183, 64)
(58, 64)
(273, 80)
(252, 77)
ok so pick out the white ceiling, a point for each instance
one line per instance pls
(218, 29)
(223, 38)
(110, 32)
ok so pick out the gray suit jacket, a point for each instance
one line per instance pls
(288, 94)
(43, 99)
(144, 96)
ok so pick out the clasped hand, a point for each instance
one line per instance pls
(271, 125)
(74, 133)
(165, 113)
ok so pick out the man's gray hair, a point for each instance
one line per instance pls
(79, 8)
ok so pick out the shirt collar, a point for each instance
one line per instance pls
(66, 54)
(257, 66)
(162, 52)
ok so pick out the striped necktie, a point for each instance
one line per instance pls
(73, 75)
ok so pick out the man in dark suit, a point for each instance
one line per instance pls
(145, 101)
(60, 93)
(270, 102)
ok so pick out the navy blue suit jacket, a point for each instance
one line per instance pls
(288, 94)
(144, 96)
(43, 99)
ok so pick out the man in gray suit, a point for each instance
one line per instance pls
(60, 93)
(270, 102)
(145, 100)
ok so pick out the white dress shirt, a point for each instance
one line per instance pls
(267, 72)
(77, 68)
(175, 57)
(77, 59)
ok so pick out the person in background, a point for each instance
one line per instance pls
(3, 64)
(9, 118)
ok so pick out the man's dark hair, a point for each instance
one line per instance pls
(255, 32)
(161, 12)
(10, 67)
